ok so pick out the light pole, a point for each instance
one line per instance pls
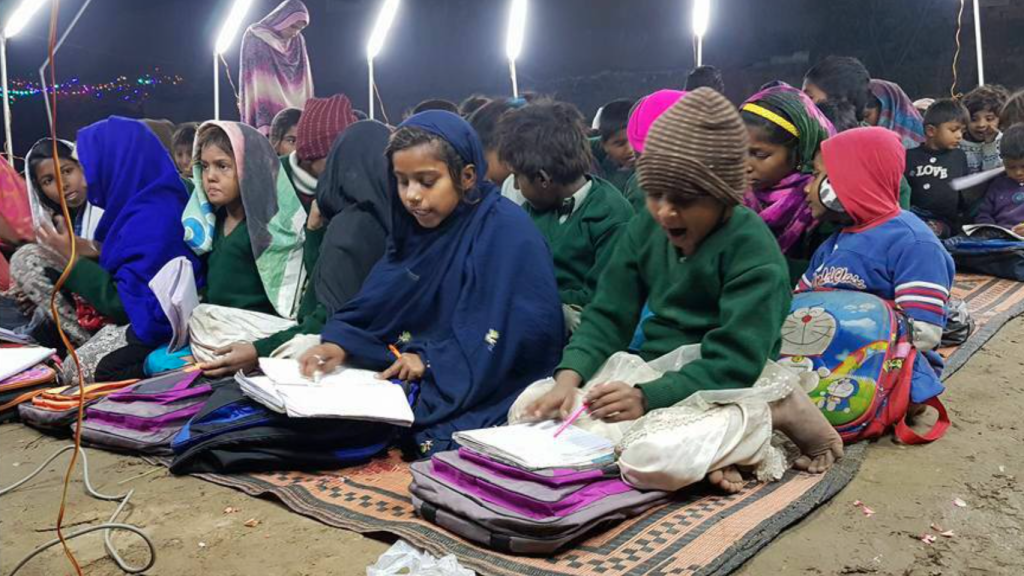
(701, 16)
(227, 35)
(15, 24)
(514, 40)
(376, 43)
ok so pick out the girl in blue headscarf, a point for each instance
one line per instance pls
(466, 290)
(132, 178)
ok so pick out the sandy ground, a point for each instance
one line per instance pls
(911, 490)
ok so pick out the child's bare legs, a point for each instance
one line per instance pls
(801, 421)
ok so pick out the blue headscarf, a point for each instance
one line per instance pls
(132, 178)
(475, 298)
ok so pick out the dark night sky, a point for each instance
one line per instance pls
(584, 51)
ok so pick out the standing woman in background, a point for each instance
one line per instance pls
(274, 73)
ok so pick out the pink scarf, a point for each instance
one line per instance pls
(783, 209)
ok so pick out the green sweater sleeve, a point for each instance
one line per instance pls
(311, 323)
(905, 191)
(733, 354)
(90, 281)
(609, 321)
(312, 315)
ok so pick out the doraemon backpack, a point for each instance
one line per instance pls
(859, 346)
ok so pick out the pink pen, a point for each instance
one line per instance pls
(572, 418)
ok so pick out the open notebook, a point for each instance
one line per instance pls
(345, 393)
(533, 446)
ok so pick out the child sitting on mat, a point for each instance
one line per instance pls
(715, 279)
(880, 248)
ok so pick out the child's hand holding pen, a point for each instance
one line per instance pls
(407, 367)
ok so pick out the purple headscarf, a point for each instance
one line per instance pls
(274, 72)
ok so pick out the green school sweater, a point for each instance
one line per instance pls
(608, 169)
(730, 297)
(634, 194)
(312, 314)
(93, 283)
(583, 244)
(232, 278)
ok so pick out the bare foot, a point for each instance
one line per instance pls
(799, 419)
(728, 479)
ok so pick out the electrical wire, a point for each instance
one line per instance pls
(76, 448)
(956, 55)
(380, 103)
(108, 527)
(231, 81)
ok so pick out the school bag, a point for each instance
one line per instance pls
(518, 511)
(22, 388)
(859, 345)
(233, 433)
(999, 258)
(53, 410)
(144, 417)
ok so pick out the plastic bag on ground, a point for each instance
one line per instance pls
(404, 559)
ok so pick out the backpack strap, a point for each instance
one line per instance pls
(906, 435)
(25, 397)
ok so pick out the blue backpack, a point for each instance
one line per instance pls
(859, 346)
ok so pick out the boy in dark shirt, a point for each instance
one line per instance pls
(932, 166)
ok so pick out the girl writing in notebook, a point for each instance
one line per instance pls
(465, 292)
(714, 278)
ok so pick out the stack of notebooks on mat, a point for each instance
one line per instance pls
(23, 374)
(520, 490)
(344, 393)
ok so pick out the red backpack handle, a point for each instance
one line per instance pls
(906, 435)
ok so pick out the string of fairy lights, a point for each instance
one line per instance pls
(123, 88)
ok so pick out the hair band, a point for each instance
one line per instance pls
(772, 117)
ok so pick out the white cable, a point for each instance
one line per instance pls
(107, 527)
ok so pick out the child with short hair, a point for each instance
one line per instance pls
(981, 143)
(705, 76)
(615, 155)
(880, 249)
(1003, 204)
(181, 147)
(935, 164)
(715, 278)
(485, 121)
(284, 131)
(580, 216)
(1013, 110)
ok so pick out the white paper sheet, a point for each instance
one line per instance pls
(533, 446)
(345, 393)
(14, 361)
(972, 180)
(175, 288)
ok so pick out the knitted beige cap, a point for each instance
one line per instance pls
(698, 147)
